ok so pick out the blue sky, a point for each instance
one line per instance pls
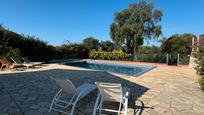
(58, 20)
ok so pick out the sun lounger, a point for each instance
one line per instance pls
(26, 60)
(5, 63)
(18, 62)
(112, 93)
(60, 105)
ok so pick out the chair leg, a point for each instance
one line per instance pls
(1, 67)
(53, 100)
(119, 110)
(96, 104)
(74, 104)
(126, 103)
(7, 66)
(126, 107)
(100, 106)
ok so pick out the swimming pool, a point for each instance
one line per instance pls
(128, 69)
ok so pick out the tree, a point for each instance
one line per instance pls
(150, 50)
(13, 44)
(91, 43)
(177, 44)
(73, 50)
(107, 46)
(1, 27)
(1, 40)
(139, 22)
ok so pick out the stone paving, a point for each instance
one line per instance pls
(165, 90)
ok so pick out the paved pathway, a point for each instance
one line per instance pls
(163, 90)
(173, 91)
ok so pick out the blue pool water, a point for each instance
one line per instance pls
(132, 70)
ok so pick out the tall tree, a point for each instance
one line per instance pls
(139, 22)
(107, 46)
(2, 45)
(177, 44)
(91, 43)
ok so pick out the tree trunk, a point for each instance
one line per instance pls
(135, 52)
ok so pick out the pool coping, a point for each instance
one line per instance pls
(145, 68)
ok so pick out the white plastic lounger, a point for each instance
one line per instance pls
(26, 60)
(18, 62)
(111, 92)
(76, 94)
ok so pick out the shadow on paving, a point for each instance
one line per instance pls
(32, 92)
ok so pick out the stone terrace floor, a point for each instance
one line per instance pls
(165, 90)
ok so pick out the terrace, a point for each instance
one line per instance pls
(163, 90)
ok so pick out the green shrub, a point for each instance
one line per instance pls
(13, 53)
(200, 66)
(200, 61)
(201, 82)
(115, 55)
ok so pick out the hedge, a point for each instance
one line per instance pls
(200, 66)
(114, 55)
